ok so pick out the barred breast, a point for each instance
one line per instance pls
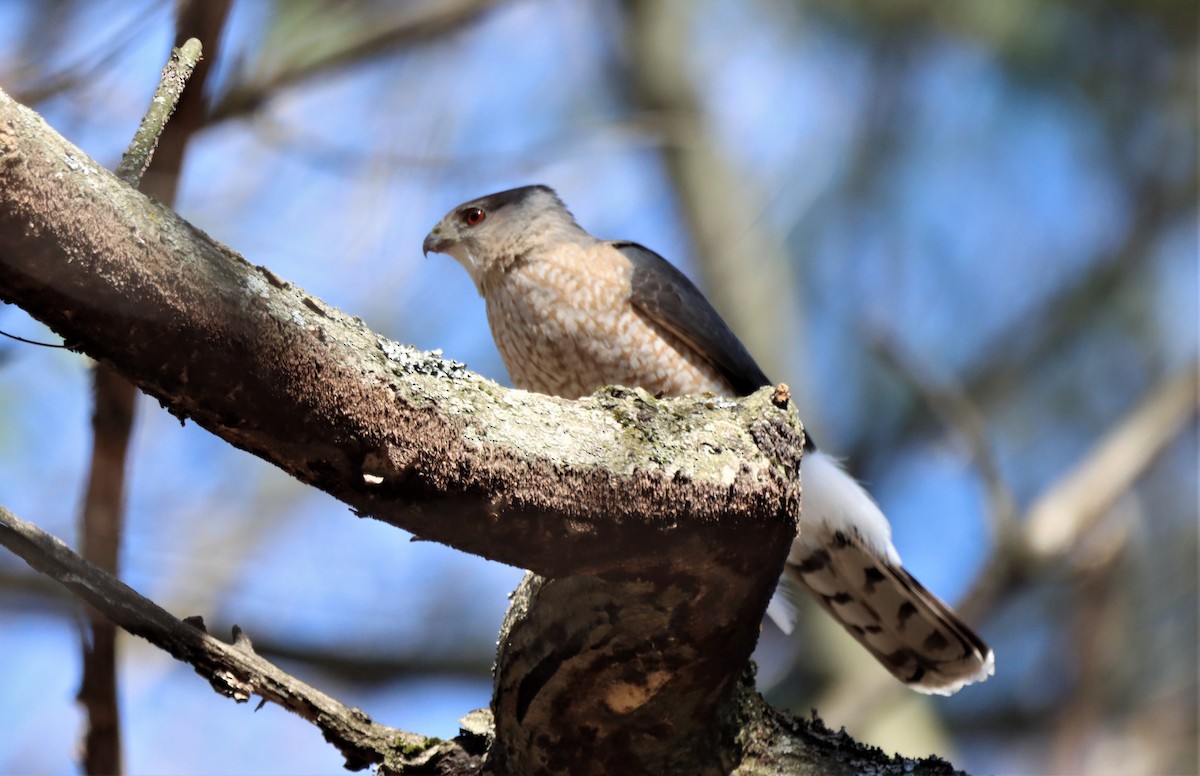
(567, 332)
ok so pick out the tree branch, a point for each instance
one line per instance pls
(174, 78)
(233, 670)
(399, 435)
(1073, 505)
(397, 26)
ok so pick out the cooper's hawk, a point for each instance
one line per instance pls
(571, 313)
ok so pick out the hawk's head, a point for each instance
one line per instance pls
(494, 231)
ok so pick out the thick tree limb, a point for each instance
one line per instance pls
(399, 435)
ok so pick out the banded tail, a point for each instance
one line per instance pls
(845, 559)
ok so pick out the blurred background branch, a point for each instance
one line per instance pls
(313, 38)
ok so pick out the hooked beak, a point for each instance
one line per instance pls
(435, 242)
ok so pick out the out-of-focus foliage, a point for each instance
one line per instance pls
(964, 232)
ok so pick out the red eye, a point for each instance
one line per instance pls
(473, 216)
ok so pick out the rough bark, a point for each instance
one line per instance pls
(659, 526)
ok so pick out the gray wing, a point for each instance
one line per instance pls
(665, 296)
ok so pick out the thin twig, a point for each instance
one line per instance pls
(175, 76)
(234, 670)
(32, 342)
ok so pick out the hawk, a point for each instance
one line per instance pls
(571, 313)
